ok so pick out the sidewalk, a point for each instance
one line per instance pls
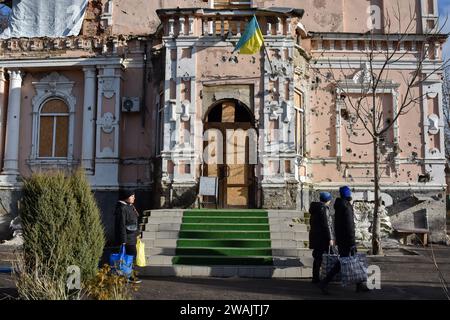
(403, 277)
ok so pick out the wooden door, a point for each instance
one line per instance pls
(238, 172)
(234, 171)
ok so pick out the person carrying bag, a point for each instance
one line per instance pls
(140, 257)
(344, 228)
(320, 233)
(122, 263)
(353, 268)
(127, 225)
(329, 260)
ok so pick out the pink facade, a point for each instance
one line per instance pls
(174, 66)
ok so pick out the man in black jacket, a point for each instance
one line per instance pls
(320, 234)
(344, 228)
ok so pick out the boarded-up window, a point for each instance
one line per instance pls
(53, 129)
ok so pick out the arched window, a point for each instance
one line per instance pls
(53, 129)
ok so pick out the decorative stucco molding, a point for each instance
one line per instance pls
(52, 86)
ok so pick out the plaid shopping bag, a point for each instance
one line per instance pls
(328, 261)
(353, 269)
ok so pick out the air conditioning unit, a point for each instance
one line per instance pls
(131, 104)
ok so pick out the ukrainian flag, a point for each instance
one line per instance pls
(252, 39)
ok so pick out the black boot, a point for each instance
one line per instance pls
(323, 285)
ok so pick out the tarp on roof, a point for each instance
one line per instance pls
(44, 18)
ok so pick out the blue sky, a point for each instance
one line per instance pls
(444, 12)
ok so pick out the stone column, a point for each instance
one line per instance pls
(87, 153)
(11, 161)
(2, 108)
(107, 128)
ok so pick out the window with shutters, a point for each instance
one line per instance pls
(53, 129)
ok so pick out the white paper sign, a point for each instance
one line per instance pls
(208, 186)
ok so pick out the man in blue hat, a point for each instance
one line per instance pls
(320, 234)
(344, 228)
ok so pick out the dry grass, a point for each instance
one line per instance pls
(110, 286)
(39, 282)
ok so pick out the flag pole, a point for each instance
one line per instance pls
(268, 58)
(265, 49)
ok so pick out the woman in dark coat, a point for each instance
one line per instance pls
(127, 222)
(344, 228)
(320, 234)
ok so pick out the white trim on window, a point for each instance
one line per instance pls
(54, 116)
(53, 87)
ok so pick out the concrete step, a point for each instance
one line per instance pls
(177, 226)
(295, 235)
(278, 261)
(287, 228)
(293, 262)
(285, 214)
(163, 243)
(166, 213)
(163, 260)
(290, 244)
(171, 250)
(160, 235)
(160, 220)
(278, 244)
(262, 272)
(287, 221)
(283, 252)
(298, 253)
(274, 236)
(163, 227)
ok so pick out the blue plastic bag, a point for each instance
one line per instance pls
(121, 262)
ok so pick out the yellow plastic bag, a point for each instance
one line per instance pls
(140, 256)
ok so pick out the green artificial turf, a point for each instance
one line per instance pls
(219, 227)
(203, 243)
(236, 252)
(212, 260)
(226, 220)
(224, 237)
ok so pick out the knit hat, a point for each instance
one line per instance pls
(345, 192)
(325, 196)
(125, 194)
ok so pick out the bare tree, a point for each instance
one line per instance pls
(364, 104)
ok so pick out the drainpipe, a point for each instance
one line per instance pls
(302, 205)
(144, 89)
(303, 147)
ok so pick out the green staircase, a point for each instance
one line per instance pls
(224, 237)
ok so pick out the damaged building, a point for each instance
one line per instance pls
(128, 90)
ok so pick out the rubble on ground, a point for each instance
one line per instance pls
(17, 233)
(363, 225)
